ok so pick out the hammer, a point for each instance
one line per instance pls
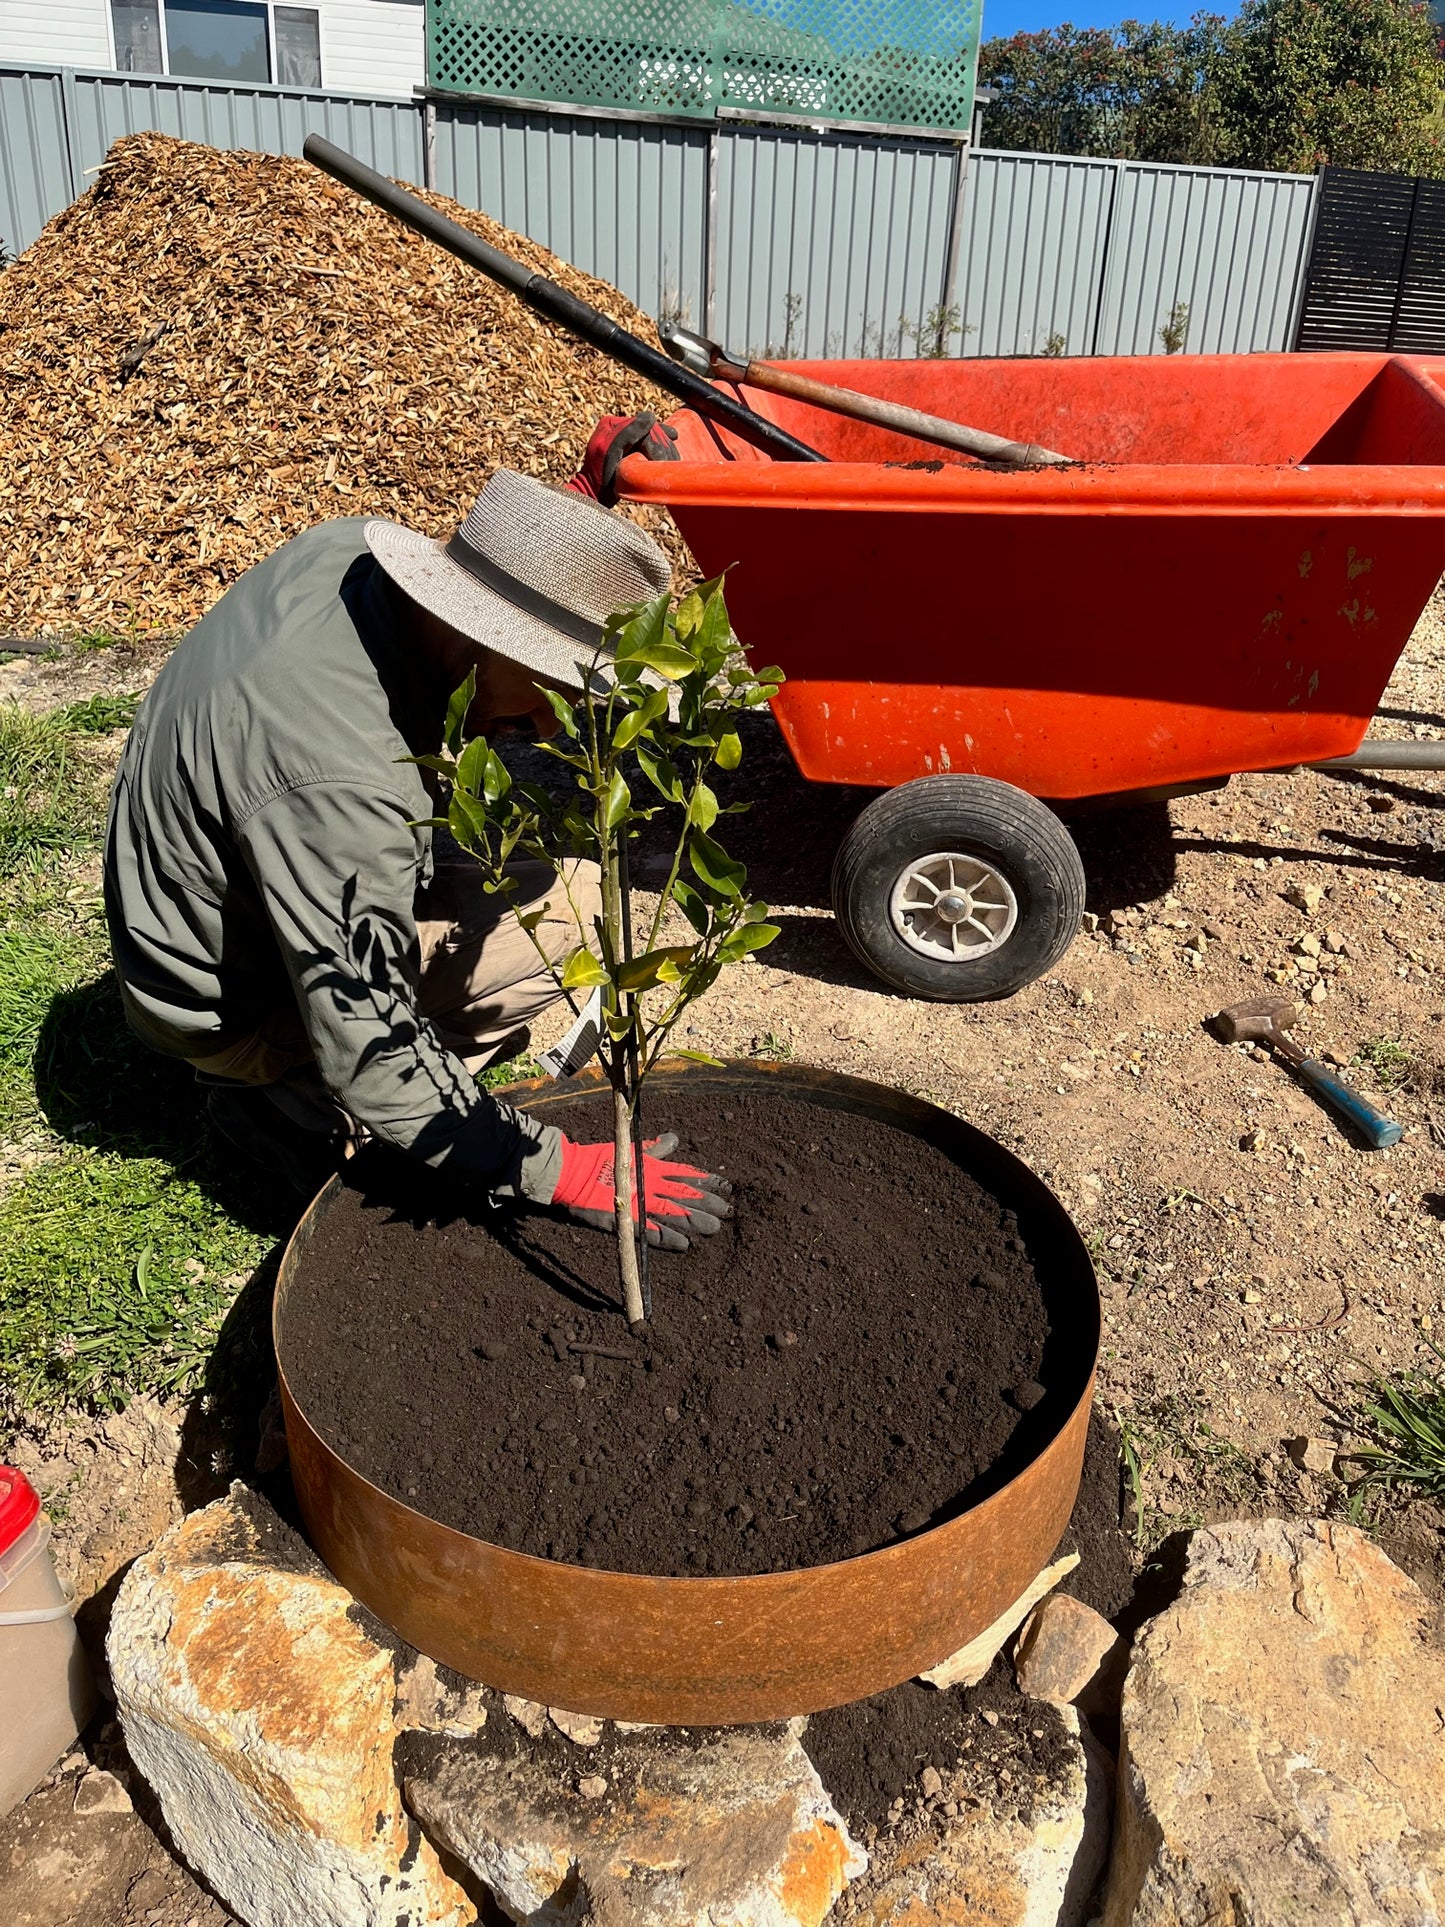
(1267, 1020)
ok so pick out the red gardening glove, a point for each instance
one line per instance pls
(615, 437)
(681, 1201)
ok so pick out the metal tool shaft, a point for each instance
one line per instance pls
(578, 317)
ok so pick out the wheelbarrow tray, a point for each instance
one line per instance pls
(1224, 583)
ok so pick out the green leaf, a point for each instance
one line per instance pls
(689, 615)
(467, 819)
(698, 1057)
(668, 659)
(692, 905)
(643, 972)
(756, 913)
(457, 708)
(529, 919)
(496, 778)
(748, 937)
(646, 630)
(660, 772)
(703, 813)
(470, 764)
(444, 764)
(583, 971)
(618, 1023)
(713, 864)
(562, 708)
(619, 797)
(772, 675)
(715, 631)
(729, 750)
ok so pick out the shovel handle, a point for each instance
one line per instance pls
(895, 415)
(1381, 1131)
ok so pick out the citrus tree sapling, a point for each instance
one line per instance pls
(659, 714)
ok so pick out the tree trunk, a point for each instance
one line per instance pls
(623, 1182)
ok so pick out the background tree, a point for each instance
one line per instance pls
(1286, 85)
(1138, 91)
(1355, 82)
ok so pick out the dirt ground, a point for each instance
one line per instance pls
(1256, 1263)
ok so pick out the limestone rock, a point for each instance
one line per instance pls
(580, 1728)
(1312, 1455)
(531, 1717)
(1282, 1758)
(426, 1704)
(1069, 1654)
(734, 1831)
(98, 1792)
(1027, 1856)
(968, 1665)
(261, 1712)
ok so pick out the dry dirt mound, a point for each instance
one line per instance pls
(211, 351)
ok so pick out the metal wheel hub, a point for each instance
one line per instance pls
(952, 907)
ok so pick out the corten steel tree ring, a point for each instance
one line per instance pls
(711, 1651)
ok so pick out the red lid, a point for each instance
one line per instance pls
(19, 1505)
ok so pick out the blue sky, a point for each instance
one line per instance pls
(1003, 17)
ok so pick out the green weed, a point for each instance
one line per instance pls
(1406, 1420)
(1391, 1063)
(99, 715)
(515, 1071)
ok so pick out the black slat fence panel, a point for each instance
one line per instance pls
(1357, 263)
(1376, 275)
(1420, 315)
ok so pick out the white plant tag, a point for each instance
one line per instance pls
(577, 1047)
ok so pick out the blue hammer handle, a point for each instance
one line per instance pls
(1381, 1131)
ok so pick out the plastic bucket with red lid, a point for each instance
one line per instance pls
(46, 1692)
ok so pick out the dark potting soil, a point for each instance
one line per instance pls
(871, 1753)
(864, 1348)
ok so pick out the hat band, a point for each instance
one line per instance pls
(521, 594)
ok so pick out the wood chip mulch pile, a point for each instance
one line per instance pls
(209, 352)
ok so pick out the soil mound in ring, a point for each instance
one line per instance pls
(867, 1346)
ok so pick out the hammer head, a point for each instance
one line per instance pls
(1257, 1020)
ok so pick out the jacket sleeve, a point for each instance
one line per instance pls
(336, 868)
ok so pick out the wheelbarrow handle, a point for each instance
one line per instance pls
(578, 317)
(1381, 1131)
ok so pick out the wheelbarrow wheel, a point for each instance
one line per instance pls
(958, 888)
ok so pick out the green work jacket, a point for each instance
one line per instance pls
(264, 851)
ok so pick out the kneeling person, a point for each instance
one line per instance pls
(281, 918)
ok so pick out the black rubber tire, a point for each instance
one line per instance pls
(993, 820)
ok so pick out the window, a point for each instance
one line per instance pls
(137, 36)
(217, 40)
(298, 46)
(227, 40)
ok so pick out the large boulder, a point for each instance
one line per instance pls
(658, 1828)
(1283, 1758)
(262, 1712)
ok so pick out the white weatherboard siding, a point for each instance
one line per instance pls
(370, 46)
(367, 46)
(55, 33)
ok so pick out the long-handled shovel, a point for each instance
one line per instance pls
(578, 317)
(705, 357)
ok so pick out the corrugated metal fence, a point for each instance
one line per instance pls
(802, 243)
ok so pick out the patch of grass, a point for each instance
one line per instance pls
(99, 715)
(771, 1045)
(1391, 1064)
(1405, 1419)
(514, 1071)
(117, 1273)
(122, 1233)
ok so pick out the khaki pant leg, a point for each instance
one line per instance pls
(481, 977)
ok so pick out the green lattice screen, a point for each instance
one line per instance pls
(905, 63)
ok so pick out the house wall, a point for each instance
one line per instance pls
(367, 46)
(372, 46)
(55, 33)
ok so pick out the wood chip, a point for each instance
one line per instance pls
(305, 357)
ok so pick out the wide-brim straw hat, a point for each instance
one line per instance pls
(534, 573)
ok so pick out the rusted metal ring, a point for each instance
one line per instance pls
(707, 1651)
